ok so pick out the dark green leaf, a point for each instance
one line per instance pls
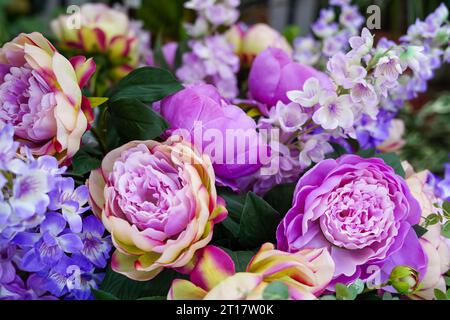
(103, 295)
(147, 84)
(126, 289)
(235, 206)
(338, 150)
(280, 197)
(420, 231)
(181, 50)
(153, 298)
(158, 54)
(367, 153)
(276, 291)
(86, 160)
(392, 159)
(133, 120)
(240, 258)
(259, 222)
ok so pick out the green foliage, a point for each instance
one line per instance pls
(291, 32)
(86, 159)
(392, 160)
(427, 144)
(123, 288)
(350, 292)
(103, 295)
(133, 120)
(240, 258)
(147, 84)
(251, 220)
(280, 197)
(420, 231)
(162, 17)
(442, 295)
(276, 291)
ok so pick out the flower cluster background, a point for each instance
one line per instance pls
(225, 150)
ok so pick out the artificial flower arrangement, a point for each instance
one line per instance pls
(234, 166)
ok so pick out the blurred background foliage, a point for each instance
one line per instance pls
(427, 118)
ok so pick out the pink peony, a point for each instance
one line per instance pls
(40, 95)
(159, 202)
(362, 212)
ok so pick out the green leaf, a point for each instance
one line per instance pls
(133, 120)
(345, 293)
(240, 258)
(280, 197)
(258, 223)
(367, 153)
(338, 150)
(276, 291)
(103, 295)
(357, 286)
(158, 54)
(446, 207)
(291, 32)
(146, 84)
(447, 281)
(392, 159)
(440, 295)
(420, 231)
(86, 160)
(126, 289)
(446, 230)
(97, 101)
(433, 219)
(235, 206)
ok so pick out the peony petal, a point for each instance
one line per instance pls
(185, 290)
(213, 266)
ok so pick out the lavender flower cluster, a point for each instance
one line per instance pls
(330, 33)
(425, 48)
(49, 246)
(212, 61)
(211, 14)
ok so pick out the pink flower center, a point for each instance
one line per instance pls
(359, 212)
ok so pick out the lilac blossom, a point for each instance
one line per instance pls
(330, 34)
(212, 61)
(211, 14)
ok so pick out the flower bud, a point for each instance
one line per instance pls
(404, 279)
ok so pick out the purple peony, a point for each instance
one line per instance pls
(273, 74)
(223, 131)
(362, 212)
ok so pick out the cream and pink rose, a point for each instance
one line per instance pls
(40, 95)
(435, 246)
(159, 202)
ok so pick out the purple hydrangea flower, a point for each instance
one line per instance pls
(36, 206)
